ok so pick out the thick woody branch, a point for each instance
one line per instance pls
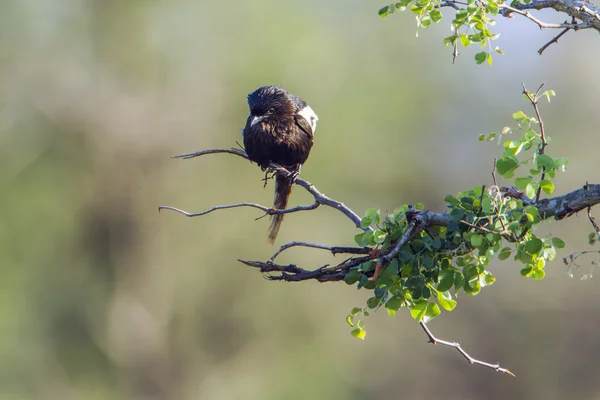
(558, 207)
(584, 11)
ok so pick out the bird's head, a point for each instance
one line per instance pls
(272, 101)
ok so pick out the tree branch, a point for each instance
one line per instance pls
(584, 11)
(471, 360)
(558, 207)
(320, 198)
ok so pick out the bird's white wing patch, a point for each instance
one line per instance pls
(310, 116)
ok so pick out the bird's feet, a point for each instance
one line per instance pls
(268, 175)
(294, 172)
(292, 176)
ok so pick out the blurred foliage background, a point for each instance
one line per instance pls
(102, 297)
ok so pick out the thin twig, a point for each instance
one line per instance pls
(320, 198)
(333, 249)
(533, 98)
(267, 210)
(411, 230)
(471, 360)
(455, 50)
(292, 273)
(593, 220)
(554, 40)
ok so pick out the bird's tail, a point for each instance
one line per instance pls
(283, 188)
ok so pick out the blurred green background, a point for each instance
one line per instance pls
(102, 297)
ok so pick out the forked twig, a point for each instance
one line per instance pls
(471, 360)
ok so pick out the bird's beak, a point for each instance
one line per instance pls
(256, 120)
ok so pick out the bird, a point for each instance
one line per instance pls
(280, 129)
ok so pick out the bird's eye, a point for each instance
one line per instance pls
(271, 110)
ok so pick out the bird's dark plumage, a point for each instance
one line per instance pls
(280, 130)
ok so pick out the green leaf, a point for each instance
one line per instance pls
(504, 253)
(531, 189)
(352, 277)
(383, 11)
(544, 161)
(450, 40)
(492, 7)
(534, 246)
(425, 21)
(394, 303)
(364, 239)
(355, 311)
(451, 200)
(436, 15)
(506, 166)
(538, 274)
(558, 243)
(445, 280)
(526, 271)
(359, 333)
(373, 302)
(446, 301)
(350, 320)
(464, 40)
(472, 8)
(561, 163)
(477, 240)
(418, 309)
(379, 236)
(431, 312)
(519, 116)
(547, 186)
(549, 94)
(481, 57)
(521, 183)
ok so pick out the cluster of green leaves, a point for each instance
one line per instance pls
(431, 269)
(471, 24)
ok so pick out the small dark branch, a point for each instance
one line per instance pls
(554, 39)
(455, 50)
(471, 360)
(267, 210)
(333, 249)
(496, 189)
(505, 234)
(453, 4)
(533, 98)
(320, 198)
(593, 221)
(412, 229)
(292, 273)
(237, 152)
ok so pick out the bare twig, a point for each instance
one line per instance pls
(267, 210)
(593, 220)
(333, 249)
(471, 360)
(554, 39)
(320, 198)
(292, 273)
(409, 233)
(533, 98)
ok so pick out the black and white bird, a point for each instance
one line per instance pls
(280, 130)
